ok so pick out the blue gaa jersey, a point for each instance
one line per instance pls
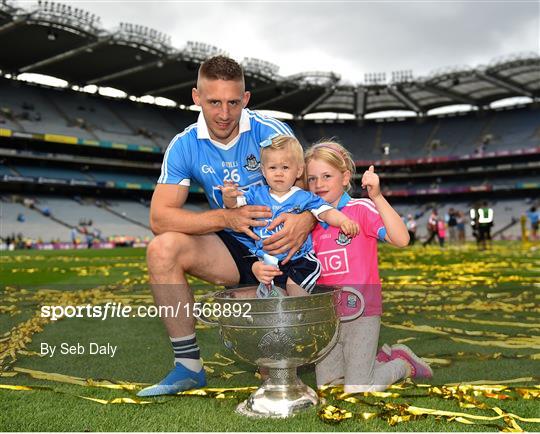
(193, 155)
(295, 201)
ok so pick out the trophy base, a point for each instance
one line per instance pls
(278, 400)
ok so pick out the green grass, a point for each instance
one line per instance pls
(423, 287)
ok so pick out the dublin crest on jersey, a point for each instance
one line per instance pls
(251, 163)
(342, 239)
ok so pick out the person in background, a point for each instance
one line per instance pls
(411, 228)
(482, 221)
(461, 222)
(441, 231)
(431, 227)
(73, 234)
(452, 226)
(533, 216)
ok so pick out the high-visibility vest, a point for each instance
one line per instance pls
(485, 215)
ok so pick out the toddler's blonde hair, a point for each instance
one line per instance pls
(287, 143)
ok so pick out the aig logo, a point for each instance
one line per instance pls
(207, 169)
(334, 262)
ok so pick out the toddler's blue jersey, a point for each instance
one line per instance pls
(294, 202)
(192, 156)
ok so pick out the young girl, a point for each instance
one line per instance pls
(441, 231)
(352, 264)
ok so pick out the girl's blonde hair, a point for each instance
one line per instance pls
(335, 155)
(287, 143)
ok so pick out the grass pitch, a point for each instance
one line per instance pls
(473, 315)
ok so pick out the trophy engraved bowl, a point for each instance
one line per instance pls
(280, 334)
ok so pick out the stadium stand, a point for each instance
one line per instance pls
(111, 218)
(130, 217)
(32, 226)
(39, 109)
(512, 127)
(121, 177)
(60, 143)
(438, 136)
(62, 111)
(145, 120)
(5, 170)
(139, 212)
(60, 173)
(108, 224)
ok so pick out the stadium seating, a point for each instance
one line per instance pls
(514, 127)
(109, 224)
(116, 217)
(40, 109)
(121, 177)
(5, 170)
(51, 172)
(432, 137)
(145, 120)
(65, 173)
(56, 111)
(33, 225)
(33, 111)
(508, 181)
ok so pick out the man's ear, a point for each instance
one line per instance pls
(245, 98)
(195, 96)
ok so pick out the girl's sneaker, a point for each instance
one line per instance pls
(419, 368)
(385, 354)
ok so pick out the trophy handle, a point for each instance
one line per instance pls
(199, 313)
(359, 310)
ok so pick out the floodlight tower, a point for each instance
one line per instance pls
(400, 80)
(200, 51)
(144, 36)
(57, 15)
(315, 78)
(260, 68)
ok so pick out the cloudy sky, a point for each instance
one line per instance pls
(348, 37)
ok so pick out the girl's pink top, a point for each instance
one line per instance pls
(353, 262)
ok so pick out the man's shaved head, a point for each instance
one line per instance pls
(220, 68)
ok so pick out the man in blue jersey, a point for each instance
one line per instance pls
(223, 145)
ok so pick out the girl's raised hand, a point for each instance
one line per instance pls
(370, 180)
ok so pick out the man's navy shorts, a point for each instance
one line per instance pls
(304, 271)
(241, 255)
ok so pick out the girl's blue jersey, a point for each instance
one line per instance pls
(294, 202)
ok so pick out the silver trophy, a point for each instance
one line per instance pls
(279, 334)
